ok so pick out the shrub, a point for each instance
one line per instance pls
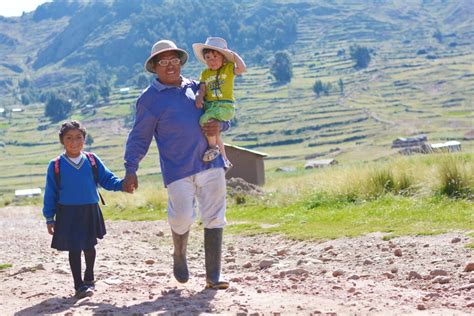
(282, 68)
(360, 55)
(57, 107)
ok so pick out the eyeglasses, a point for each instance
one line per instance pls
(166, 62)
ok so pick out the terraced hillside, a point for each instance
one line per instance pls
(403, 91)
(414, 84)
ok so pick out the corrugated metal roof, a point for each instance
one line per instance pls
(258, 153)
(28, 192)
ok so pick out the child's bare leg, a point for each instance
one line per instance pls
(220, 143)
(212, 141)
(212, 151)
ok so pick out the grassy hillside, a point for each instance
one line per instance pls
(402, 92)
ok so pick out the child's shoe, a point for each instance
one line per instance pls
(227, 165)
(211, 154)
(90, 284)
(84, 291)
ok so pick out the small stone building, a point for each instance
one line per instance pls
(404, 142)
(321, 163)
(447, 147)
(248, 164)
(27, 193)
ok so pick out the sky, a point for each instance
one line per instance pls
(16, 8)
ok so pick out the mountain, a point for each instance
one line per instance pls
(63, 36)
(420, 79)
(52, 45)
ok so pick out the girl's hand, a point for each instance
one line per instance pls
(50, 229)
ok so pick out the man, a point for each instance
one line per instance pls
(166, 110)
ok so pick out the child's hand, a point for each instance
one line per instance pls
(50, 228)
(199, 101)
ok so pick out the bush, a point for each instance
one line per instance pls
(57, 107)
(282, 69)
(422, 52)
(360, 55)
(320, 86)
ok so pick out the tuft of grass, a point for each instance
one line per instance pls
(5, 266)
(380, 182)
(405, 184)
(147, 203)
(454, 178)
(397, 196)
(323, 217)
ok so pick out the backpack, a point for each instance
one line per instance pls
(95, 171)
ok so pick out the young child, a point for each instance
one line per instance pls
(71, 208)
(216, 89)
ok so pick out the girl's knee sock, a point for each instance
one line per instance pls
(90, 260)
(75, 263)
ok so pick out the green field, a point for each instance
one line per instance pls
(401, 93)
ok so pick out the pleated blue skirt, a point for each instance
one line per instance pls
(78, 227)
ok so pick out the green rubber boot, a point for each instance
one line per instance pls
(180, 266)
(213, 252)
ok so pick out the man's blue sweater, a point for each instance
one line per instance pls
(169, 114)
(77, 184)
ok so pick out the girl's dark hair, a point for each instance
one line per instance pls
(70, 125)
(209, 50)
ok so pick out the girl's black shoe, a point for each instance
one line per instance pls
(90, 284)
(84, 291)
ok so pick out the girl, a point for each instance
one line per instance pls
(71, 208)
(216, 88)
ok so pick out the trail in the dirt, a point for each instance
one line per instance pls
(269, 275)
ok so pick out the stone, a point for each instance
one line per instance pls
(414, 275)
(265, 263)
(421, 307)
(438, 272)
(247, 265)
(442, 279)
(469, 267)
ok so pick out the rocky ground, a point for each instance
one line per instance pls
(270, 275)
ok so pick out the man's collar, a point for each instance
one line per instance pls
(160, 87)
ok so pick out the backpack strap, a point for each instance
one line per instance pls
(95, 171)
(56, 171)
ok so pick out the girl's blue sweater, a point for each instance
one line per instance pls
(77, 185)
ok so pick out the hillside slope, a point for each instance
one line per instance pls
(415, 83)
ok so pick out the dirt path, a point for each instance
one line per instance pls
(269, 275)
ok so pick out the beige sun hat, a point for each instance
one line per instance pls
(161, 47)
(215, 43)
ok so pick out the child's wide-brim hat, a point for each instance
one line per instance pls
(215, 43)
(161, 47)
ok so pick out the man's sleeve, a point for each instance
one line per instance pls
(139, 138)
(50, 195)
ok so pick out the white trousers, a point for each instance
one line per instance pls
(205, 191)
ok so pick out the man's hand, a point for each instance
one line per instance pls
(50, 228)
(130, 183)
(199, 101)
(211, 128)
